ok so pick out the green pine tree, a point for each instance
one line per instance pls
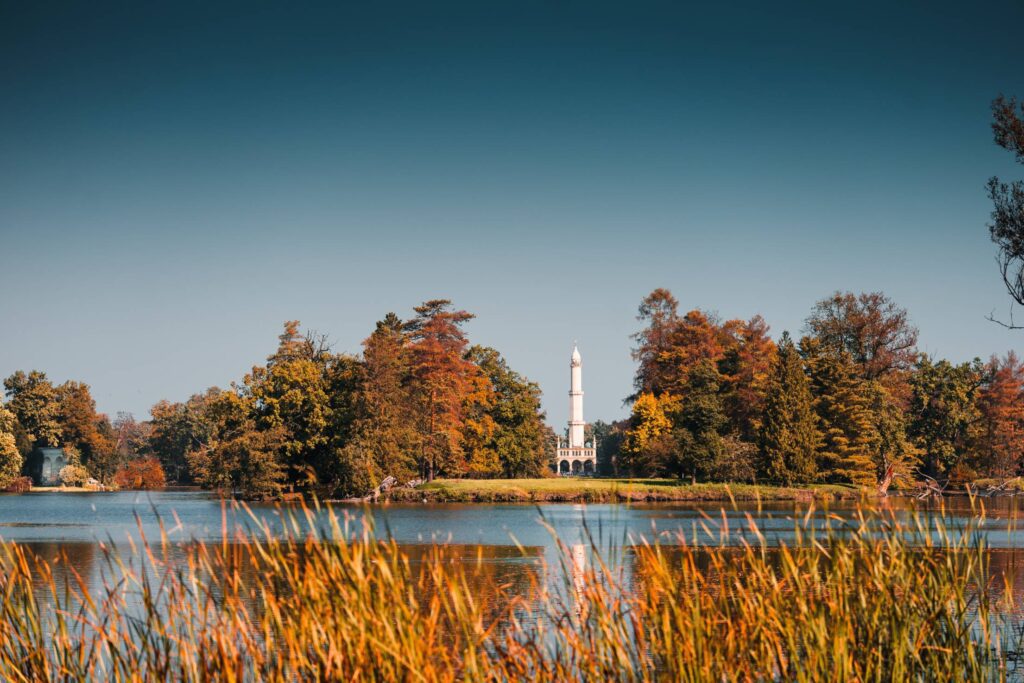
(789, 433)
(843, 404)
(699, 422)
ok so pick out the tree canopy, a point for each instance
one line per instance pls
(1007, 226)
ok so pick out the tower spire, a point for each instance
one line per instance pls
(576, 424)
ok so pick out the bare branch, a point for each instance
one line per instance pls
(1010, 325)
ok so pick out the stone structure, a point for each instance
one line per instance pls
(45, 466)
(577, 456)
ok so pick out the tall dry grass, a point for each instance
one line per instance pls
(871, 599)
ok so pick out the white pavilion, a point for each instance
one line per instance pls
(577, 456)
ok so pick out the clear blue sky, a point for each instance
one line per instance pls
(178, 179)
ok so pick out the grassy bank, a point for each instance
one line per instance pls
(863, 602)
(585, 490)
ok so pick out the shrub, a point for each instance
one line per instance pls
(19, 485)
(73, 475)
(141, 474)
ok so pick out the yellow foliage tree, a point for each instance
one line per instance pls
(649, 422)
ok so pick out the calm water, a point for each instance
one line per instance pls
(117, 517)
(513, 539)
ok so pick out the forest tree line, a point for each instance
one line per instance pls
(418, 403)
(850, 401)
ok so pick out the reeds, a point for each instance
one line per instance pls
(874, 598)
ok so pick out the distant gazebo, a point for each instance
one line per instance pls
(45, 464)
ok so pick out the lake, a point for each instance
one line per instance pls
(79, 525)
(54, 518)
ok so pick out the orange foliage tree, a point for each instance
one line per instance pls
(444, 384)
(999, 434)
(141, 474)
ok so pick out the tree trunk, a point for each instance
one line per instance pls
(886, 480)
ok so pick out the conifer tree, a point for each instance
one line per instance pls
(384, 438)
(789, 433)
(999, 435)
(699, 422)
(746, 367)
(895, 447)
(944, 408)
(443, 379)
(843, 404)
(290, 395)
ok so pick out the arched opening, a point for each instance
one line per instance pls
(588, 467)
(577, 467)
(564, 467)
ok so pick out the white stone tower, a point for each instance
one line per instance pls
(577, 457)
(576, 423)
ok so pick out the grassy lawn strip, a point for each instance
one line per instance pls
(563, 490)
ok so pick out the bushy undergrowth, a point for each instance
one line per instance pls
(872, 599)
(19, 485)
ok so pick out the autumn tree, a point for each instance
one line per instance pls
(648, 445)
(289, 397)
(384, 438)
(1007, 227)
(177, 429)
(515, 411)
(998, 435)
(10, 459)
(239, 458)
(870, 327)
(85, 429)
(789, 436)
(337, 473)
(442, 379)
(943, 410)
(659, 311)
(894, 447)
(479, 427)
(33, 400)
(131, 437)
(141, 474)
(746, 367)
(697, 338)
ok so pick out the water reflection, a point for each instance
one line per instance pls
(504, 548)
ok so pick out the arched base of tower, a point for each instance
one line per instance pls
(576, 462)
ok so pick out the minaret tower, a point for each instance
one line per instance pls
(576, 457)
(576, 423)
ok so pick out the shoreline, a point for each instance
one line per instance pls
(606, 491)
